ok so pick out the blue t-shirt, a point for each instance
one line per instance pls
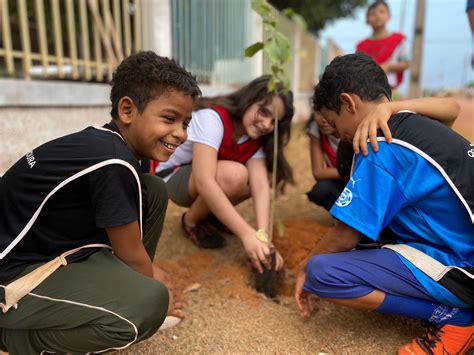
(398, 188)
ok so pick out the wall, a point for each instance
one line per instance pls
(22, 129)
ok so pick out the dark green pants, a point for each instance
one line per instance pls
(94, 305)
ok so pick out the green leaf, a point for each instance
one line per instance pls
(278, 48)
(288, 12)
(271, 48)
(270, 29)
(299, 20)
(260, 8)
(271, 85)
(270, 23)
(276, 70)
(254, 48)
(280, 228)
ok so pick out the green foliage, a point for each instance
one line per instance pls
(321, 12)
(276, 46)
(280, 228)
(254, 48)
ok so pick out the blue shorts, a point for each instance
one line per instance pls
(470, 5)
(357, 273)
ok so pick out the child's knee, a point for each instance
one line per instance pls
(233, 181)
(151, 307)
(157, 194)
(321, 274)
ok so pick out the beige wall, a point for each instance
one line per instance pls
(308, 61)
(22, 129)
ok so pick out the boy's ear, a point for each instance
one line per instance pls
(126, 109)
(347, 103)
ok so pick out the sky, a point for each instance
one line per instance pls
(447, 39)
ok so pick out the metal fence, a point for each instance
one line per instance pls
(84, 40)
(209, 38)
(68, 39)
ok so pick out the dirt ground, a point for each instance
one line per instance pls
(226, 315)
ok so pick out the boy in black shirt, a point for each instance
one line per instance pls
(82, 202)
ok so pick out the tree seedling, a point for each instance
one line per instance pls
(278, 50)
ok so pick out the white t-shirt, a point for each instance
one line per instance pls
(400, 54)
(206, 127)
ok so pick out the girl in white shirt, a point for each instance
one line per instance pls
(227, 159)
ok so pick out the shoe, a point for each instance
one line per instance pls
(204, 235)
(446, 339)
(170, 322)
(216, 223)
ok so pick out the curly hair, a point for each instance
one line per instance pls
(144, 76)
(352, 73)
(239, 101)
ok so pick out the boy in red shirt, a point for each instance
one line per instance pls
(388, 49)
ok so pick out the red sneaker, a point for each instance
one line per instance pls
(447, 339)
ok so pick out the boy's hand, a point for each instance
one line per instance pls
(386, 67)
(375, 119)
(303, 299)
(162, 276)
(175, 308)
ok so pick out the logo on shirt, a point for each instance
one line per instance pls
(30, 159)
(354, 181)
(470, 152)
(345, 198)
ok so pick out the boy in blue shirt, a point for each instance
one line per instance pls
(419, 188)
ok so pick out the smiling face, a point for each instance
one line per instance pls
(156, 132)
(259, 118)
(378, 17)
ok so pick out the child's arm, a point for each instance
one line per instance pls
(318, 165)
(260, 190)
(204, 175)
(395, 67)
(444, 110)
(128, 247)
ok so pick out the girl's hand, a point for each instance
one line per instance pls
(258, 252)
(377, 118)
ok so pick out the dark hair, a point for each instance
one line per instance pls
(144, 76)
(352, 73)
(376, 4)
(239, 101)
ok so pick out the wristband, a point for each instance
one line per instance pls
(262, 235)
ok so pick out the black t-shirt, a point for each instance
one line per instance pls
(77, 214)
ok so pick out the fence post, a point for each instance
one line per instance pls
(41, 23)
(7, 38)
(25, 38)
